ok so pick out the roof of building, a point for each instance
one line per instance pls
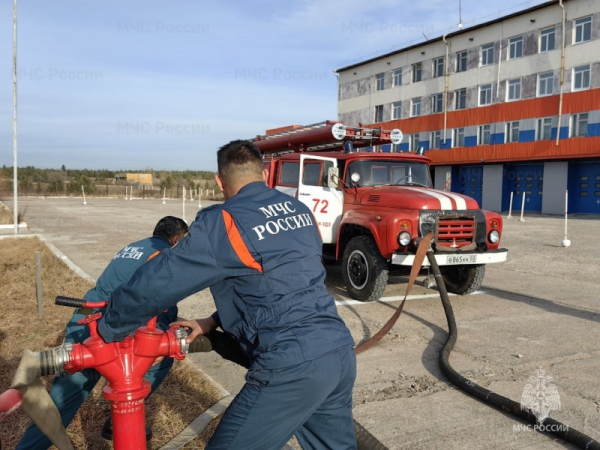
(455, 33)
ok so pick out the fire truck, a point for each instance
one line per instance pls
(372, 208)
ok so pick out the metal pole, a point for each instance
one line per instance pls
(522, 208)
(83, 192)
(15, 205)
(164, 195)
(38, 277)
(183, 197)
(510, 206)
(566, 242)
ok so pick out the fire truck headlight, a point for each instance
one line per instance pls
(494, 236)
(404, 238)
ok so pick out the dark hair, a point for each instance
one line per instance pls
(239, 158)
(169, 227)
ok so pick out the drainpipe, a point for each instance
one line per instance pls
(562, 72)
(499, 61)
(446, 87)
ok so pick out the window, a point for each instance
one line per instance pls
(397, 81)
(545, 84)
(380, 81)
(438, 67)
(515, 47)
(312, 174)
(461, 61)
(487, 54)
(379, 113)
(436, 137)
(583, 30)
(547, 38)
(415, 109)
(460, 97)
(396, 110)
(579, 124)
(437, 103)
(581, 78)
(485, 95)
(378, 171)
(459, 137)
(512, 132)
(315, 173)
(290, 171)
(513, 89)
(414, 142)
(544, 129)
(484, 134)
(416, 72)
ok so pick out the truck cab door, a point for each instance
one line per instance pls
(326, 203)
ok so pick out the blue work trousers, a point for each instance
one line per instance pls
(312, 400)
(70, 391)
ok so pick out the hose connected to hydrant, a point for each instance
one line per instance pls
(123, 364)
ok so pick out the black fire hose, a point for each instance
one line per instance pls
(505, 404)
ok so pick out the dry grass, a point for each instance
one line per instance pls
(7, 217)
(183, 396)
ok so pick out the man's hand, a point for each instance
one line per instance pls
(198, 326)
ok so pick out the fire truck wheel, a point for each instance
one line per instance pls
(364, 270)
(463, 280)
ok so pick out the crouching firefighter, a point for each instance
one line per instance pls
(69, 391)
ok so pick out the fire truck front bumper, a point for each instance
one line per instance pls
(455, 259)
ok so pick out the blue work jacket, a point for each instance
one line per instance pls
(260, 253)
(122, 268)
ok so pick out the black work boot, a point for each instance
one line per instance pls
(107, 431)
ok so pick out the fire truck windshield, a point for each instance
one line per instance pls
(388, 173)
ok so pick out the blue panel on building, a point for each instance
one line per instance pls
(497, 138)
(446, 144)
(468, 180)
(424, 144)
(593, 129)
(470, 141)
(527, 136)
(584, 187)
(523, 179)
(564, 133)
(403, 147)
(386, 148)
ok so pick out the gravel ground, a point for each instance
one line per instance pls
(538, 310)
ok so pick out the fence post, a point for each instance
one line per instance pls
(38, 278)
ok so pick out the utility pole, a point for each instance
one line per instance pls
(15, 206)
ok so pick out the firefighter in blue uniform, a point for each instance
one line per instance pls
(260, 254)
(70, 391)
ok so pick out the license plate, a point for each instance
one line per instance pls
(461, 259)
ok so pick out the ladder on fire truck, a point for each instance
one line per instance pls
(324, 136)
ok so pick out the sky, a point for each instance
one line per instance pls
(106, 84)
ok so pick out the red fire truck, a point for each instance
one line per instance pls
(372, 208)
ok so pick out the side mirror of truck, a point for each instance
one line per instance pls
(333, 178)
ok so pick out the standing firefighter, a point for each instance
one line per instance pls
(260, 253)
(69, 391)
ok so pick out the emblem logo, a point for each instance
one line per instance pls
(540, 396)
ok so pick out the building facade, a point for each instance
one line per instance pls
(508, 106)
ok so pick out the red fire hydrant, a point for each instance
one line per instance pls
(123, 364)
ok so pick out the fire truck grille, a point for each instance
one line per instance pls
(455, 232)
